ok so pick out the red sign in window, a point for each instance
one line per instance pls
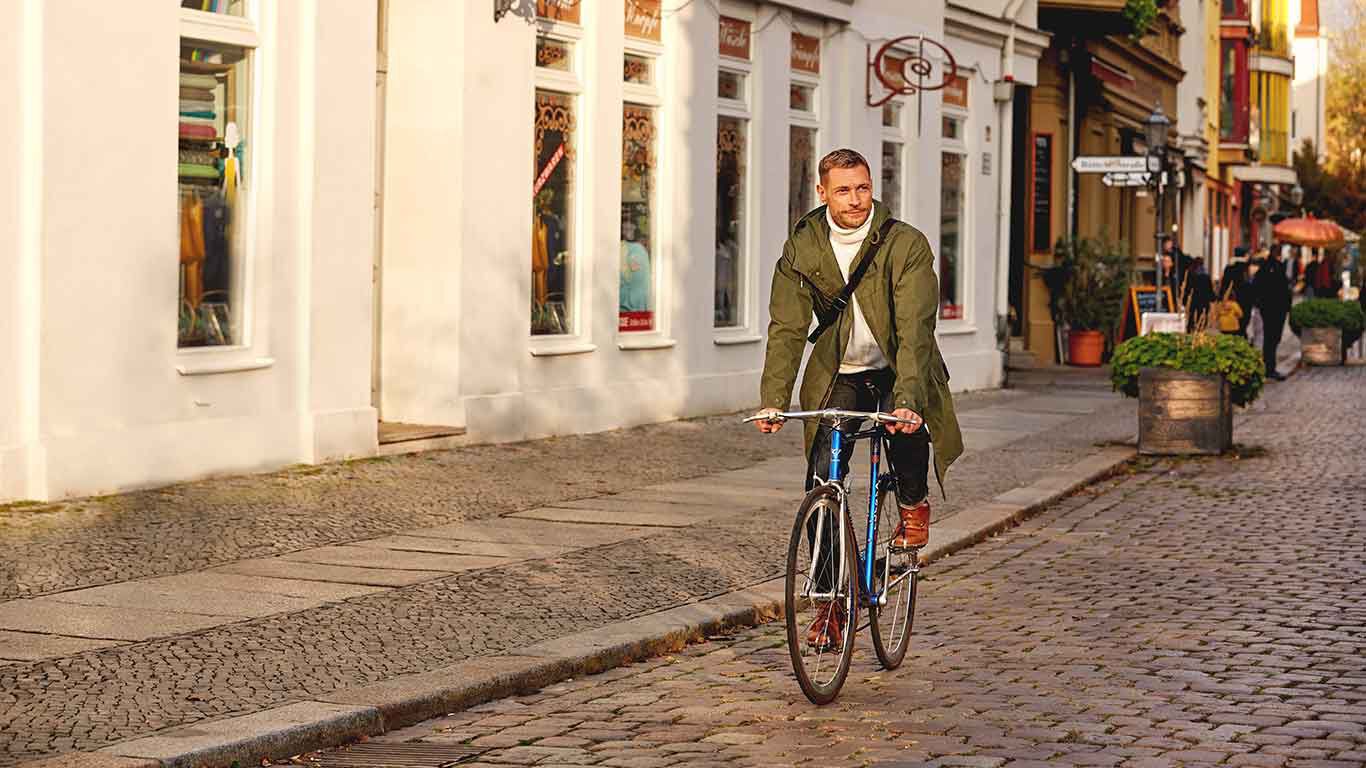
(636, 321)
(951, 312)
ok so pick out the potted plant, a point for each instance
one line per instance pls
(1327, 329)
(1087, 284)
(1186, 385)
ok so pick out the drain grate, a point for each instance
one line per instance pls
(378, 754)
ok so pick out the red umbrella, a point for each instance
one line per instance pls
(1315, 233)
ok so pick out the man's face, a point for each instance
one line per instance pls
(1166, 261)
(849, 194)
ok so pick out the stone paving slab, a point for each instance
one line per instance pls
(683, 518)
(159, 597)
(29, 646)
(391, 559)
(51, 616)
(459, 547)
(213, 580)
(511, 530)
(340, 574)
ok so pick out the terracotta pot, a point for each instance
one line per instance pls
(1085, 347)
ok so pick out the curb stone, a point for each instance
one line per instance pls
(344, 716)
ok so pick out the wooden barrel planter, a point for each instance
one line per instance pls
(1321, 346)
(1183, 413)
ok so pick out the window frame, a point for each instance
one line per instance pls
(741, 109)
(962, 147)
(251, 350)
(568, 83)
(808, 119)
(652, 96)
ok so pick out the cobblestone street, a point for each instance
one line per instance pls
(1188, 612)
(60, 693)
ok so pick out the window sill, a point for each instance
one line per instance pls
(648, 342)
(957, 330)
(557, 347)
(736, 339)
(209, 365)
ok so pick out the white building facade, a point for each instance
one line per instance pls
(353, 241)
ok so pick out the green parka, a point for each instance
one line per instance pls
(899, 297)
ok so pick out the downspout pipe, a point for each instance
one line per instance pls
(1005, 112)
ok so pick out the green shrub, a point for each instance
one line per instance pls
(1140, 14)
(1329, 313)
(1200, 353)
(1087, 283)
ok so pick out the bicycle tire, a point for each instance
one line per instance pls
(796, 583)
(899, 613)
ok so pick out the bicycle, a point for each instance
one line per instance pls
(883, 580)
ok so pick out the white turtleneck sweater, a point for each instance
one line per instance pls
(863, 353)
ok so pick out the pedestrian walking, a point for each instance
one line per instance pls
(1236, 285)
(1197, 296)
(1272, 289)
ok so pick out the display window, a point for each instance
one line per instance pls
(952, 228)
(892, 152)
(553, 200)
(214, 189)
(731, 183)
(639, 249)
(801, 172)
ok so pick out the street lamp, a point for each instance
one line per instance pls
(1297, 197)
(1155, 130)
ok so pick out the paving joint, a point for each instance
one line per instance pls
(347, 715)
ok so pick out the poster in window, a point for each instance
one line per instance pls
(734, 41)
(806, 54)
(559, 10)
(643, 19)
(1041, 192)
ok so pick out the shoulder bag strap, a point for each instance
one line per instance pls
(840, 302)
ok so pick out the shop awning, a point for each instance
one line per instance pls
(1266, 174)
(1312, 232)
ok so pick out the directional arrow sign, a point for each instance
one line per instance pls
(1111, 164)
(1126, 179)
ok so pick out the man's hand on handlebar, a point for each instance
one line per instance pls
(905, 413)
(768, 426)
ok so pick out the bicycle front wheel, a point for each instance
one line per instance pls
(894, 579)
(821, 596)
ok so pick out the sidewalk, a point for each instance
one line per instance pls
(203, 612)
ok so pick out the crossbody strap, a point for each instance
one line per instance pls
(838, 304)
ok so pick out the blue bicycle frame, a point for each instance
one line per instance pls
(865, 564)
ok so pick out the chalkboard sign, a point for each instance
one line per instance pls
(1143, 299)
(1041, 191)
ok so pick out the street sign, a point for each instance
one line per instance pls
(1126, 179)
(1110, 164)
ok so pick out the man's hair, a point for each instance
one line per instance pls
(842, 158)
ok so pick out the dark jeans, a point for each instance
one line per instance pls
(1273, 325)
(909, 455)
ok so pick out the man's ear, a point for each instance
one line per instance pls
(820, 192)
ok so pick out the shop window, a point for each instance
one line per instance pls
(1234, 10)
(554, 54)
(891, 176)
(730, 85)
(952, 228)
(553, 201)
(226, 7)
(731, 183)
(952, 127)
(802, 97)
(891, 114)
(215, 188)
(636, 305)
(638, 70)
(801, 197)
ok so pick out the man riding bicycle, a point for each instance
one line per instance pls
(880, 351)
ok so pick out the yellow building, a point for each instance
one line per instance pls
(1097, 86)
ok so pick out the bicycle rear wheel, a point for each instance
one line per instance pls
(894, 576)
(822, 578)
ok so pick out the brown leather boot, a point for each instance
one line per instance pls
(914, 530)
(827, 631)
